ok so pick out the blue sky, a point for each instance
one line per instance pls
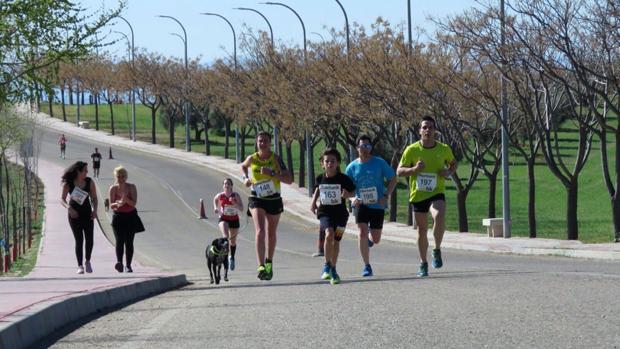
(210, 37)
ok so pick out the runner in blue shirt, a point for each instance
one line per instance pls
(369, 174)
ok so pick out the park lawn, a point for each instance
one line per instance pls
(594, 209)
(24, 264)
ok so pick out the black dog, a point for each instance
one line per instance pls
(217, 255)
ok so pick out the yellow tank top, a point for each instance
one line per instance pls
(258, 178)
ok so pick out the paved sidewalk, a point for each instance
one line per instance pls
(297, 203)
(53, 295)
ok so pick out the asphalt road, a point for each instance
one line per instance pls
(476, 301)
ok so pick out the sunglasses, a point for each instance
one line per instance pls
(365, 146)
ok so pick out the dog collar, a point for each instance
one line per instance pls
(216, 252)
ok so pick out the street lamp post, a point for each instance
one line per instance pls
(505, 136)
(307, 135)
(132, 133)
(276, 136)
(188, 145)
(237, 143)
(346, 27)
(133, 91)
(409, 25)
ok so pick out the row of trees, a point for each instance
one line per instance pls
(35, 38)
(558, 58)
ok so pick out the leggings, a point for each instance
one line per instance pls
(82, 232)
(124, 243)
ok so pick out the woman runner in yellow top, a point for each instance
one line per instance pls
(265, 202)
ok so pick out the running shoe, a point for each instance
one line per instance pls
(335, 277)
(128, 269)
(367, 271)
(318, 254)
(80, 270)
(88, 267)
(370, 242)
(119, 267)
(423, 270)
(231, 262)
(268, 270)
(261, 272)
(437, 261)
(326, 275)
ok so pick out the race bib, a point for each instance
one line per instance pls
(330, 194)
(369, 195)
(265, 188)
(230, 211)
(78, 195)
(426, 182)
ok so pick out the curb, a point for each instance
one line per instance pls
(44, 319)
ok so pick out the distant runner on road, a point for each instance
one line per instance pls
(62, 141)
(227, 206)
(96, 156)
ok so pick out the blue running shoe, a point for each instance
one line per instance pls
(437, 261)
(423, 270)
(370, 242)
(231, 262)
(326, 275)
(335, 277)
(367, 271)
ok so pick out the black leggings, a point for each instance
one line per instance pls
(124, 243)
(82, 232)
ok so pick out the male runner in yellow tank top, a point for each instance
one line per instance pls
(428, 163)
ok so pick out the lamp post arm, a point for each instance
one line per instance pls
(233, 32)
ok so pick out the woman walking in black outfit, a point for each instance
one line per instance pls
(123, 197)
(82, 209)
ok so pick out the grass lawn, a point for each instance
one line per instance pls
(594, 209)
(26, 262)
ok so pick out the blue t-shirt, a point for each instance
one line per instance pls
(369, 178)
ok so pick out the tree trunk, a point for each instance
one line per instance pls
(37, 90)
(62, 104)
(171, 132)
(280, 148)
(615, 207)
(461, 198)
(301, 180)
(492, 194)
(289, 159)
(226, 137)
(50, 103)
(111, 116)
(394, 197)
(531, 207)
(243, 143)
(571, 210)
(311, 173)
(70, 94)
(153, 123)
(409, 206)
(207, 145)
(96, 102)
